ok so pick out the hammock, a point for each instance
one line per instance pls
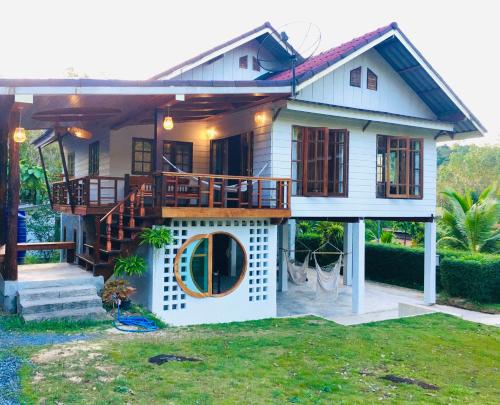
(328, 276)
(297, 273)
(230, 188)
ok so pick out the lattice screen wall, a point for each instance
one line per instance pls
(254, 298)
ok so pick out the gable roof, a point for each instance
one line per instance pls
(406, 60)
(264, 29)
(327, 58)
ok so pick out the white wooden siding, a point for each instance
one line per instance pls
(81, 149)
(393, 95)
(361, 200)
(227, 67)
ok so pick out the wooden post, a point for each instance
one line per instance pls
(5, 107)
(12, 201)
(66, 174)
(211, 192)
(47, 184)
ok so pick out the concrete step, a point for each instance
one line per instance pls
(96, 313)
(27, 306)
(57, 292)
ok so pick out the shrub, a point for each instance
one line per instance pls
(475, 277)
(394, 264)
(130, 266)
(114, 289)
(156, 237)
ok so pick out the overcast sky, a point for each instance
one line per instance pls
(136, 39)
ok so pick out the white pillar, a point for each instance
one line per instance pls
(358, 267)
(282, 244)
(430, 263)
(347, 253)
(292, 229)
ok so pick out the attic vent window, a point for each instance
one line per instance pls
(371, 80)
(255, 64)
(355, 77)
(244, 62)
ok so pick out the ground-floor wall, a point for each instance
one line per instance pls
(253, 298)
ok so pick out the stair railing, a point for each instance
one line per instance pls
(134, 200)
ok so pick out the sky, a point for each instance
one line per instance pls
(137, 39)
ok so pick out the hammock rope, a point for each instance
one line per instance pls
(297, 273)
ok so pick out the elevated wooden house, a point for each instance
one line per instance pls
(227, 156)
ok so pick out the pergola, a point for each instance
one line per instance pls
(56, 105)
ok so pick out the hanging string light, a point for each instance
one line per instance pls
(19, 133)
(168, 122)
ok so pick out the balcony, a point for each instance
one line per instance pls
(179, 195)
(88, 195)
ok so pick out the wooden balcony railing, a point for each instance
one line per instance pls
(89, 191)
(220, 191)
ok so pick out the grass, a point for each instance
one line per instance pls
(15, 323)
(296, 360)
(487, 308)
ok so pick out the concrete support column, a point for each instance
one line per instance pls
(282, 244)
(347, 253)
(292, 229)
(430, 263)
(358, 267)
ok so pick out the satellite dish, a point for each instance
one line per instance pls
(301, 40)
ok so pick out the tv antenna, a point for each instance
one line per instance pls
(301, 40)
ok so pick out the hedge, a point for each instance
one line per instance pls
(475, 277)
(460, 274)
(395, 264)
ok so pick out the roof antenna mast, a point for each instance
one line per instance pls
(306, 38)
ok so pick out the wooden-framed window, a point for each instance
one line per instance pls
(371, 80)
(70, 160)
(355, 77)
(94, 159)
(320, 161)
(399, 167)
(255, 64)
(243, 62)
(178, 153)
(142, 156)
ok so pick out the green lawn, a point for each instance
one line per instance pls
(298, 360)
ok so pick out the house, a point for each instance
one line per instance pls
(227, 156)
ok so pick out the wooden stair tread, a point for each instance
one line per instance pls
(130, 228)
(90, 260)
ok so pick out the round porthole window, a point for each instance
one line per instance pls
(210, 265)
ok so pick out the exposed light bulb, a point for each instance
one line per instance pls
(19, 135)
(168, 123)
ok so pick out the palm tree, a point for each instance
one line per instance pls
(471, 223)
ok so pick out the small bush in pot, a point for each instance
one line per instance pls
(117, 289)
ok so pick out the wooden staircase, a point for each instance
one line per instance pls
(117, 233)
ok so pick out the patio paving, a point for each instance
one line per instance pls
(382, 301)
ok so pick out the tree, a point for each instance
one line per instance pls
(469, 168)
(469, 222)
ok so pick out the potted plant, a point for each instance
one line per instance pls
(157, 237)
(117, 289)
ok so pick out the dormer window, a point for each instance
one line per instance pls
(244, 62)
(355, 77)
(255, 64)
(371, 80)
